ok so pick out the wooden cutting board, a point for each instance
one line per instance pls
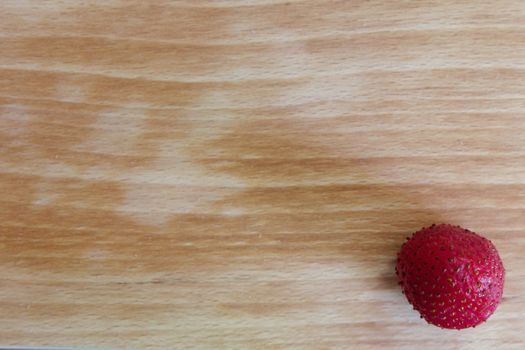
(240, 174)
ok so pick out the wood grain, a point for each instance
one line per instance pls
(240, 174)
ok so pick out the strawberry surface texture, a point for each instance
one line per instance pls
(452, 276)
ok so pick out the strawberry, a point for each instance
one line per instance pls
(452, 276)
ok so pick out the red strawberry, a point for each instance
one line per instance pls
(452, 276)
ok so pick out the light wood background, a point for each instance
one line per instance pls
(240, 174)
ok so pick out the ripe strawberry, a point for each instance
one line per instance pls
(452, 276)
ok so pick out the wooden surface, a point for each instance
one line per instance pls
(240, 174)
